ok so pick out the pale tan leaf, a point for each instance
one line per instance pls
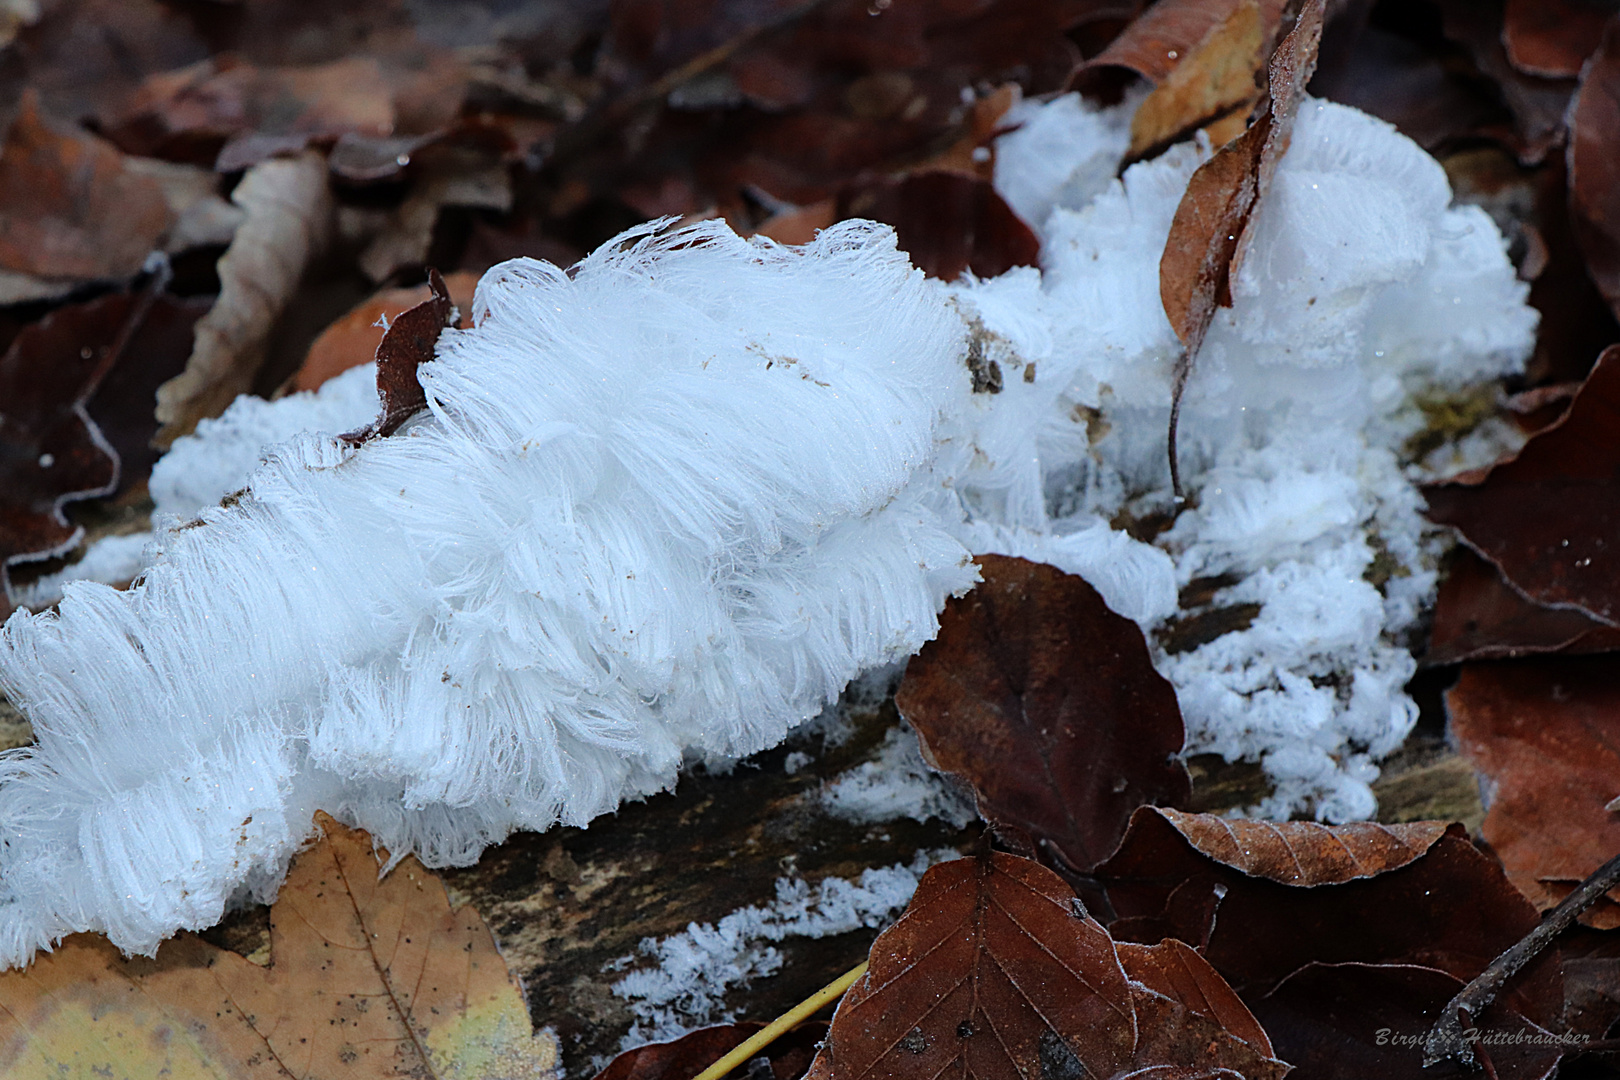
(288, 212)
(368, 978)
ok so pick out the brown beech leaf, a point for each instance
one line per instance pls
(1447, 906)
(1547, 735)
(1305, 853)
(946, 222)
(407, 345)
(1594, 165)
(1537, 104)
(990, 973)
(288, 210)
(367, 977)
(1215, 76)
(51, 452)
(1479, 616)
(1553, 37)
(789, 1056)
(353, 339)
(1207, 234)
(190, 113)
(1170, 32)
(1546, 517)
(1047, 703)
(71, 210)
(1353, 1021)
(1186, 1012)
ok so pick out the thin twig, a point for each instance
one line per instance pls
(774, 1030)
(1446, 1039)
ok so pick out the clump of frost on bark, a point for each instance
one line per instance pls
(671, 503)
(1364, 290)
(690, 973)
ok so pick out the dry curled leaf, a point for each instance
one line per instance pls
(71, 210)
(990, 973)
(288, 210)
(407, 345)
(1305, 853)
(1209, 233)
(1545, 519)
(1047, 703)
(1214, 76)
(353, 339)
(367, 977)
(1547, 735)
(1169, 32)
(1594, 165)
(1457, 910)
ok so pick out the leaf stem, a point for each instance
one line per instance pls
(774, 1030)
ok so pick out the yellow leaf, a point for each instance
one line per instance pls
(367, 978)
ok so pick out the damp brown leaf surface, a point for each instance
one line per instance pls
(1546, 734)
(353, 339)
(789, 1056)
(991, 973)
(71, 210)
(1448, 907)
(366, 978)
(1479, 616)
(1546, 519)
(75, 411)
(1594, 164)
(1047, 703)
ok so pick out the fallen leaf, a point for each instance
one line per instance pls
(1537, 104)
(71, 210)
(947, 223)
(51, 452)
(1546, 734)
(1047, 703)
(1305, 853)
(1185, 1012)
(990, 973)
(1594, 165)
(1352, 1021)
(1170, 32)
(1544, 518)
(789, 1056)
(1576, 323)
(1553, 37)
(1207, 235)
(1479, 616)
(288, 209)
(353, 339)
(449, 176)
(368, 977)
(407, 345)
(1217, 75)
(1438, 902)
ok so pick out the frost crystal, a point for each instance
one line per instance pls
(674, 502)
(1363, 290)
(671, 502)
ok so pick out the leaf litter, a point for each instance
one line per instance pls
(801, 114)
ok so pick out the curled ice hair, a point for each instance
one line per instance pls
(670, 501)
